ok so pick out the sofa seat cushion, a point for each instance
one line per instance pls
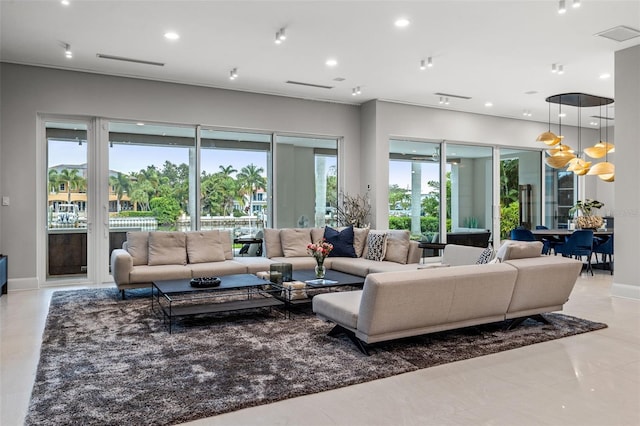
(215, 269)
(397, 246)
(138, 247)
(204, 246)
(354, 266)
(386, 266)
(254, 264)
(147, 274)
(167, 248)
(340, 307)
(303, 262)
(295, 241)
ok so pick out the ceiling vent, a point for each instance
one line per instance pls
(300, 83)
(619, 33)
(449, 95)
(135, 61)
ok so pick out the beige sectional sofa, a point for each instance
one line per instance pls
(149, 256)
(393, 305)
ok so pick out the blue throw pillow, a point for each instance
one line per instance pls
(342, 242)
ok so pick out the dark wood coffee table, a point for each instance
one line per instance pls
(177, 298)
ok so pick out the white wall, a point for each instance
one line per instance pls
(627, 189)
(27, 91)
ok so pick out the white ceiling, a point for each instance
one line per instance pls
(493, 51)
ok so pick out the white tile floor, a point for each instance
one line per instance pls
(590, 379)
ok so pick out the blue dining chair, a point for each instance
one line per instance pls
(549, 243)
(605, 248)
(577, 245)
(522, 234)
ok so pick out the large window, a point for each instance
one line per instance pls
(306, 181)
(414, 188)
(235, 181)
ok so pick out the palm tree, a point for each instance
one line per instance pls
(227, 170)
(250, 178)
(72, 180)
(54, 181)
(121, 185)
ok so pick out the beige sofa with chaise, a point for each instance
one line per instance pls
(160, 255)
(394, 305)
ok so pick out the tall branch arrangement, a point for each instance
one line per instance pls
(353, 210)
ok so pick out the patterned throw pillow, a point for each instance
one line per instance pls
(485, 256)
(376, 246)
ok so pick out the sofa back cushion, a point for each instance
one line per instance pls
(272, 243)
(138, 247)
(458, 255)
(342, 241)
(167, 248)
(294, 241)
(204, 246)
(317, 234)
(225, 241)
(519, 250)
(360, 240)
(397, 246)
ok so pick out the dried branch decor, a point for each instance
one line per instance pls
(353, 210)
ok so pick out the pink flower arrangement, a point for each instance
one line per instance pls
(320, 250)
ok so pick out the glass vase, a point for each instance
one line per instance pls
(320, 270)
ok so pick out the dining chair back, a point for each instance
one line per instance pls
(579, 244)
(606, 249)
(521, 234)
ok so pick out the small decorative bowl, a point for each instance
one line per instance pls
(205, 282)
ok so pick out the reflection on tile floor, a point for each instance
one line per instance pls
(590, 379)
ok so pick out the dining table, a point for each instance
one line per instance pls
(546, 233)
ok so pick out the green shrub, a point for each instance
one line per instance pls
(509, 219)
(165, 209)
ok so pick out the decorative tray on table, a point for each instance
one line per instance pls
(205, 282)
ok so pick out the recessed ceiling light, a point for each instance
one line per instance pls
(488, 104)
(65, 2)
(605, 76)
(331, 62)
(140, 124)
(562, 115)
(171, 35)
(402, 23)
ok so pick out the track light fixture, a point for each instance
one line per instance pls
(281, 35)
(554, 68)
(67, 51)
(356, 91)
(233, 74)
(428, 63)
(562, 7)
(560, 69)
(576, 4)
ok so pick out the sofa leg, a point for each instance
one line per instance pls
(516, 322)
(122, 293)
(338, 329)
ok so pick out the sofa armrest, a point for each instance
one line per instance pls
(415, 252)
(121, 266)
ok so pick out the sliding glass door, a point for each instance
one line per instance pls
(67, 222)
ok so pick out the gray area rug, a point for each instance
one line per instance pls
(108, 361)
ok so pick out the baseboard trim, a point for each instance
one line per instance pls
(22, 284)
(626, 291)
